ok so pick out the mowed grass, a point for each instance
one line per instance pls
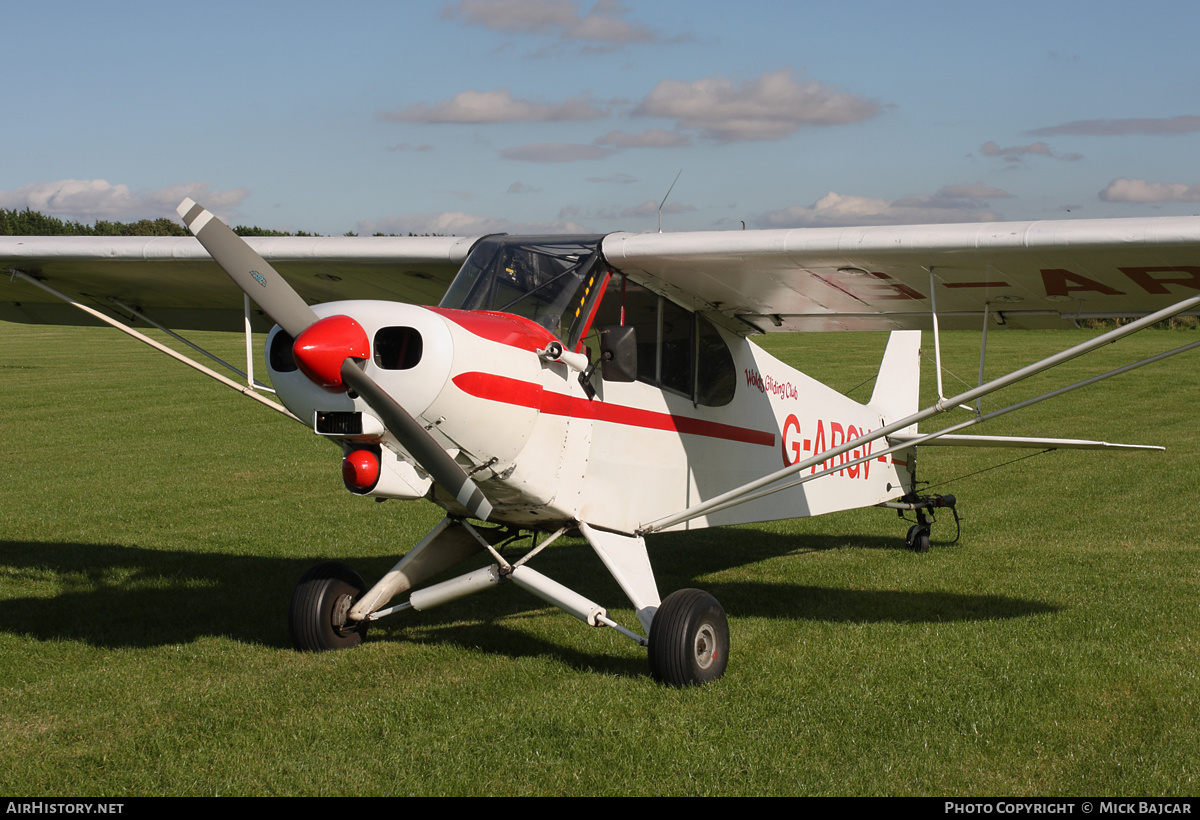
(152, 525)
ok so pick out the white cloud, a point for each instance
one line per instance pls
(87, 200)
(1139, 190)
(555, 152)
(605, 23)
(1145, 126)
(536, 16)
(653, 138)
(835, 210)
(1016, 153)
(769, 107)
(963, 197)
(460, 223)
(522, 188)
(498, 105)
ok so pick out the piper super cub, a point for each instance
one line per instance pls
(606, 385)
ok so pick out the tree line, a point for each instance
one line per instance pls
(33, 223)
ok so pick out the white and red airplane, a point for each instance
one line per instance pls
(607, 385)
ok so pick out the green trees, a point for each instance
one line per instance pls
(33, 223)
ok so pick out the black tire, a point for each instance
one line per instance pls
(320, 601)
(917, 538)
(689, 639)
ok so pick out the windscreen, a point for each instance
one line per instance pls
(545, 279)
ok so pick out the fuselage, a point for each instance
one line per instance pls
(708, 411)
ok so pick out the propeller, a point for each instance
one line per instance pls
(326, 350)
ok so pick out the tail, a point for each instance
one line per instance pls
(899, 381)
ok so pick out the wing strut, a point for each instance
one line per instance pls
(247, 374)
(755, 489)
(141, 337)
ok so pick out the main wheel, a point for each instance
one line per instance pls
(689, 639)
(320, 602)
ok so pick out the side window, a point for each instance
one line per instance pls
(608, 314)
(716, 376)
(627, 303)
(678, 350)
(641, 311)
(675, 348)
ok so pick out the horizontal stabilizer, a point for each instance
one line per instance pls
(1019, 441)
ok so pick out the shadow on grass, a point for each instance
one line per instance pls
(114, 596)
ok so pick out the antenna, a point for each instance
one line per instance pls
(664, 202)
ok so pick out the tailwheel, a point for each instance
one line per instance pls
(917, 539)
(320, 602)
(689, 639)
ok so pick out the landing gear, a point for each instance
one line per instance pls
(317, 616)
(917, 539)
(689, 639)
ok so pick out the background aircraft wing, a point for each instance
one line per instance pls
(174, 281)
(1030, 274)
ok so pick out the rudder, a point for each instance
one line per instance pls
(898, 385)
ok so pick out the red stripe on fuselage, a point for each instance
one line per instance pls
(527, 394)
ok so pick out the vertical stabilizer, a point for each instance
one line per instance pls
(899, 380)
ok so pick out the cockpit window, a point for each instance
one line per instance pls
(677, 349)
(546, 279)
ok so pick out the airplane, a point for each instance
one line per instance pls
(607, 385)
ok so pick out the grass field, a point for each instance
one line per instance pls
(153, 525)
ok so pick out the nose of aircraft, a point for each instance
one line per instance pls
(407, 350)
(258, 280)
(320, 350)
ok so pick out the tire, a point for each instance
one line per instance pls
(917, 539)
(689, 639)
(320, 601)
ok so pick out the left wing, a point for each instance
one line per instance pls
(174, 281)
(1029, 274)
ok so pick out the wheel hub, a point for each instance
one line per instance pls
(705, 646)
(338, 617)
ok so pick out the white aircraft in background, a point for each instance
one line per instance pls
(606, 385)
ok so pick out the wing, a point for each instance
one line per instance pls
(174, 281)
(1029, 274)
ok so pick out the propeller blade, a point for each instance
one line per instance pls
(248, 270)
(432, 458)
(264, 285)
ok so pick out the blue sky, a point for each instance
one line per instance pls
(550, 115)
